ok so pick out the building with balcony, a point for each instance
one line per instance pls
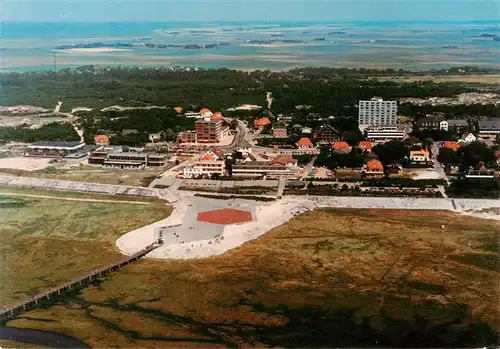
(187, 137)
(376, 112)
(262, 169)
(387, 132)
(56, 149)
(489, 129)
(210, 131)
(126, 160)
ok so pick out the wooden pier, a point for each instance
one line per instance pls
(9, 312)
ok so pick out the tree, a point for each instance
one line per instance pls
(497, 139)
(353, 137)
(390, 152)
(303, 159)
(448, 157)
(427, 143)
(474, 153)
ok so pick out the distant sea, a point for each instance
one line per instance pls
(250, 45)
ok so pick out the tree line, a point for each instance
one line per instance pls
(53, 132)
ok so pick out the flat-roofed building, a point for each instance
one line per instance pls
(210, 131)
(432, 123)
(98, 157)
(127, 160)
(262, 169)
(55, 149)
(377, 112)
(387, 132)
(489, 129)
(192, 115)
(187, 137)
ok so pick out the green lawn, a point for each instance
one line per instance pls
(50, 241)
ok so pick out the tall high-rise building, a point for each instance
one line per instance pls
(377, 112)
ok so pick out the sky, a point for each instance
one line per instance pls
(248, 10)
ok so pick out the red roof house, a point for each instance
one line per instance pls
(206, 112)
(304, 142)
(217, 116)
(374, 166)
(450, 144)
(261, 123)
(101, 140)
(284, 160)
(366, 146)
(340, 147)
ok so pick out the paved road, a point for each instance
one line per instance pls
(437, 165)
(308, 168)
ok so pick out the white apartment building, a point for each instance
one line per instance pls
(377, 112)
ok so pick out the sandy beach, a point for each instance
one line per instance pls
(189, 239)
(22, 163)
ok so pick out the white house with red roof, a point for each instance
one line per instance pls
(211, 162)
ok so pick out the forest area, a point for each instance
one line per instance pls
(329, 91)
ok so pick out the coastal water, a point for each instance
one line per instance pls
(256, 45)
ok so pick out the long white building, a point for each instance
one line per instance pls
(387, 132)
(376, 112)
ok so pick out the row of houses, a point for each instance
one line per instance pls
(486, 129)
(213, 163)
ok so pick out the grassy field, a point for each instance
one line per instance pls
(92, 174)
(328, 278)
(477, 79)
(46, 242)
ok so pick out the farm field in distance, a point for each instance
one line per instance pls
(327, 278)
(94, 175)
(48, 241)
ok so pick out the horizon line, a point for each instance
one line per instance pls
(267, 22)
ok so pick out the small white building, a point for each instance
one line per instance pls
(443, 125)
(306, 130)
(467, 138)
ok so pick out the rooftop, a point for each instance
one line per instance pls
(57, 144)
(493, 124)
(304, 142)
